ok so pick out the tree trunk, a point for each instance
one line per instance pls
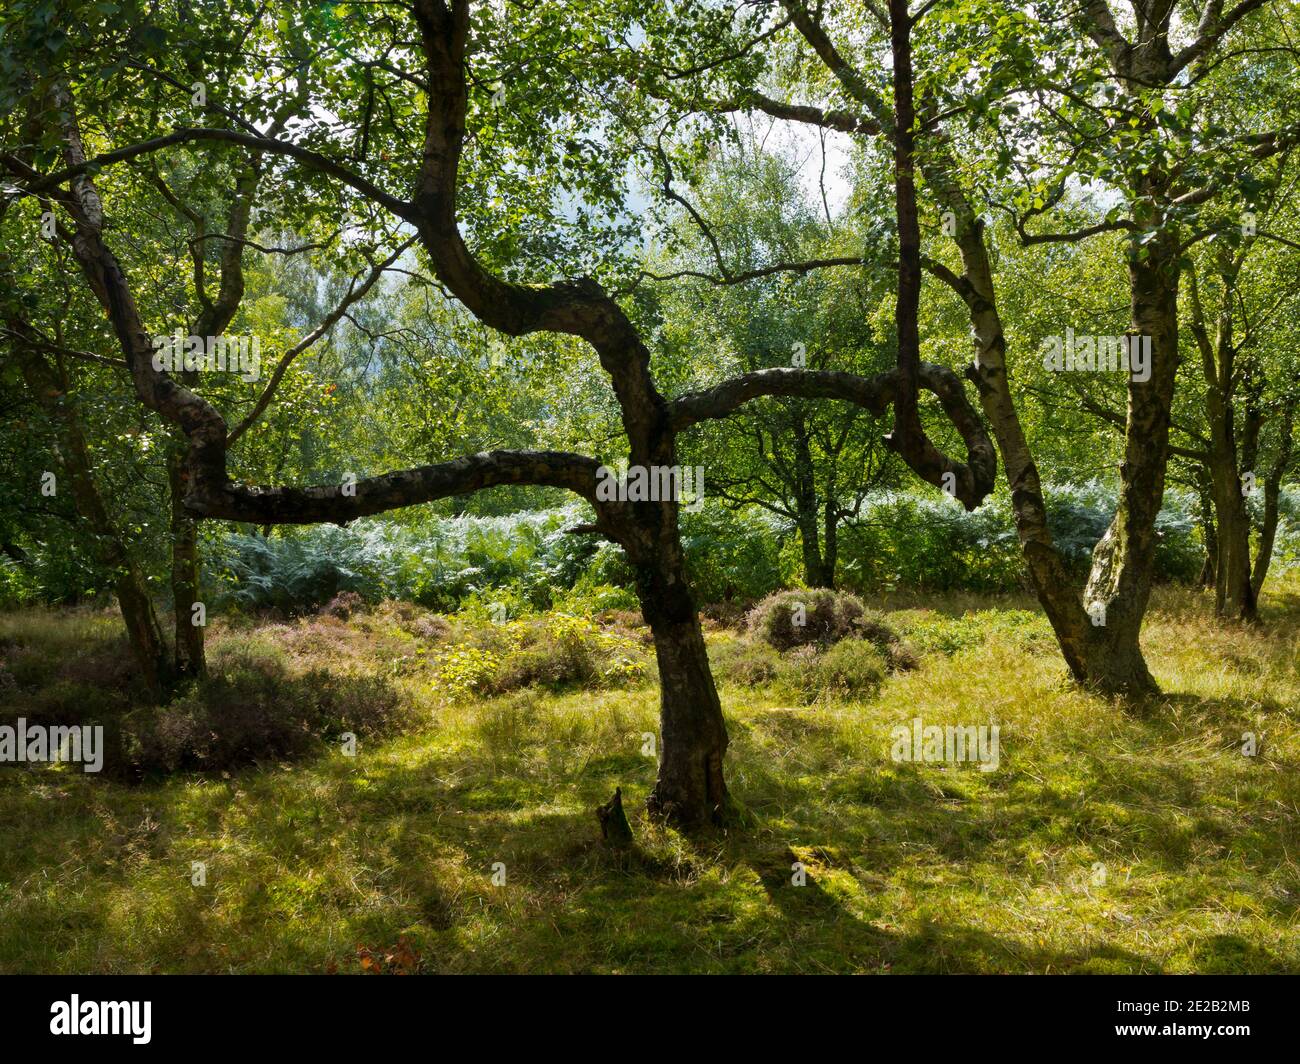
(148, 646)
(190, 659)
(814, 567)
(1234, 595)
(1209, 532)
(1272, 489)
(1056, 589)
(1264, 550)
(830, 539)
(815, 570)
(1123, 562)
(49, 385)
(690, 791)
(1234, 598)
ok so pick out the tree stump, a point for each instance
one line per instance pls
(613, 822)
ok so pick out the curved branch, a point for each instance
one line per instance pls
(805, 266)
(874, 393)
(825, 118)
(1028, 239)
(339, 503)
(314, 159)
(972, 480)
(577, 307)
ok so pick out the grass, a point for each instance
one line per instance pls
(1108, 840)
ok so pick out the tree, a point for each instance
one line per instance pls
(812, 464)
(1128, 116)
(691, 788)
(211, 203)
(1011, 86)
(1249, 398)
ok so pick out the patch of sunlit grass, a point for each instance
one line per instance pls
(1110, 838)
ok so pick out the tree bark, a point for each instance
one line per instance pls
(1209, 532)
(814, 569)
(1056, 589)
(690, 791)
(1234, 595)
(189, 636)
(1124, 560)
(830, 538)
(1272, 489)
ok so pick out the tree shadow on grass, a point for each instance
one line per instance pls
(1278, 605)
(347, 851)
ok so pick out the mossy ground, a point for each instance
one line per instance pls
(1108, 840)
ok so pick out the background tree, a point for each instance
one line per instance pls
(1012, 112)
(811, 464)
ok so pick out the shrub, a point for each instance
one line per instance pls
(724, 614)
(924, 541)
(828, 616)
(431, 627)
(549, 662)
(931, 632)
(466, 670)
(436, 563)
(69, 668)
(254, 711)
(587, 599)
(745, 662)
(555, 650)
(850, 668)
(344, 605)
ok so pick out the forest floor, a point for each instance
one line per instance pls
(1109, 839)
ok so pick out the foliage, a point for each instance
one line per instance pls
(253, 711)
(437, 564)
(850, 669)
(929, 632)
(923, 541)
(730, 555)
(526, 562)
(553, 651)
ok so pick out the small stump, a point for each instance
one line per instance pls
(613, 822)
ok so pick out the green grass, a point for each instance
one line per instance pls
(911, 868)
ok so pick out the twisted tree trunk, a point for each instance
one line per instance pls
(690, 790)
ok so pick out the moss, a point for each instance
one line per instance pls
(1104, 842)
